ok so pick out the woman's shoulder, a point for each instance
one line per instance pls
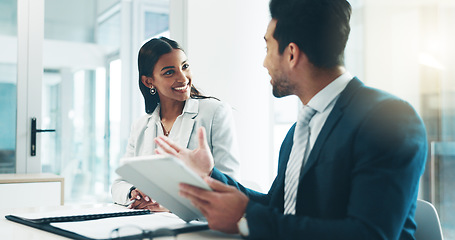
(209, 101)
(142, 120)
(211, 104)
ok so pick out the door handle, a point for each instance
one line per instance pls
(33, 135)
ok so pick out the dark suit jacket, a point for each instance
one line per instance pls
(361, 178)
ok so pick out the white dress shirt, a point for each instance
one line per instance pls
(323, 103)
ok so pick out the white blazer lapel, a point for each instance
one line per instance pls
(149, 146)
(190, 112)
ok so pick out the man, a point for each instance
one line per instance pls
(356, 171)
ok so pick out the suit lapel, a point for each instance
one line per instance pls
(186, 130)
(283, 159)
(190, 112)
(331, 122)
(148, 146)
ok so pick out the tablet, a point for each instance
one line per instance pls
(159, 176)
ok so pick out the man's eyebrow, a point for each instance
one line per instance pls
(265, 38)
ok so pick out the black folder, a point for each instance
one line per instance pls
(45, 225)
(84, 217)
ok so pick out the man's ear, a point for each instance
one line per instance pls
(295, 56)
(147, 81)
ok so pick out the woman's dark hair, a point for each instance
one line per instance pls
(149, 54)
(319, 27)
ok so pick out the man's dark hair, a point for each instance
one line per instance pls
(320, 28)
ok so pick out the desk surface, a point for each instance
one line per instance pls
(14, 231)
(31, 177)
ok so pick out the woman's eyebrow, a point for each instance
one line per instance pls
(167, 67)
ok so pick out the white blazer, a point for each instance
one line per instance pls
(210, 113)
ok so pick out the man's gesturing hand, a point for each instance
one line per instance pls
(199, 159)
(223, 207)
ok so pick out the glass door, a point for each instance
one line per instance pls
(73, 99)
(8, 85)
(20, 83)
(61, 64)
(87, 91)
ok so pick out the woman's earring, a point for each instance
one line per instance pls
(153, 90)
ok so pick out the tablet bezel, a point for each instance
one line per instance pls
(159, 177)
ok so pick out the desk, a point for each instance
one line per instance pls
(31, 190)
(14, 231)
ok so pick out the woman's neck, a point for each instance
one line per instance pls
(170, 110)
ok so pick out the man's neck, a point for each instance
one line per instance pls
(316, 80)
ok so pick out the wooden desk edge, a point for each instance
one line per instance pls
(35, 178)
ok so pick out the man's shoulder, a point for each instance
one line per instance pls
(358, 89)
(361, 97)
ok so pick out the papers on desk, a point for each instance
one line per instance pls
(82, 214)
(126, 222)
(133, 225)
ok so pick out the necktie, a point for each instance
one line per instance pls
(297, 158)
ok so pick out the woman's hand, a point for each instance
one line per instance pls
(199, 159)
(142, 201)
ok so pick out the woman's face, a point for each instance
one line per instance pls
(172, 77)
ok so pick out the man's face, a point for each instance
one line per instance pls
(274, 63)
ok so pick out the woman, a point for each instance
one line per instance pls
(175, 108)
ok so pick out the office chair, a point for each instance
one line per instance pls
(428, 224)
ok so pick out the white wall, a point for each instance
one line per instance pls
(391, 70)
(225, 46)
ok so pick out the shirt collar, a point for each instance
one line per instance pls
(323, 98)
(191, 106)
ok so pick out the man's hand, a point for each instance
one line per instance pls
(142, 201)
(223, 207)
(199, 159)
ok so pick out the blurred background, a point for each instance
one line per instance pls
(73, 66)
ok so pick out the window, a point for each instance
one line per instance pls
(404, 47)
(88, 93)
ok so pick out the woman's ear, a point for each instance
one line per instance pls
(147, 81)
